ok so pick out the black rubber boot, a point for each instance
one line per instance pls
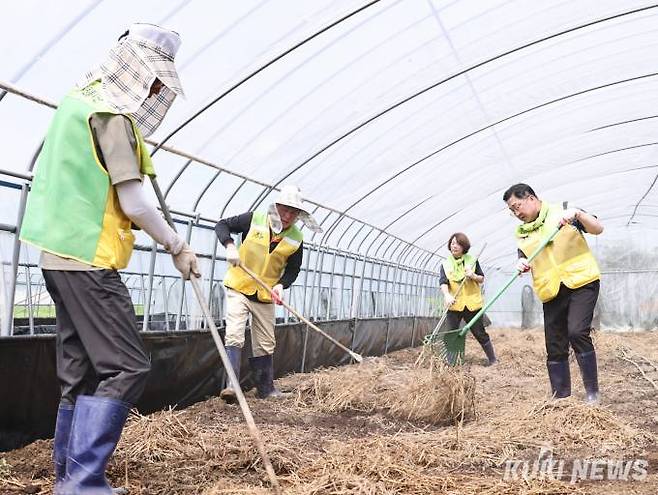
(560, 377)
(488, 349)
(234, 355)
(588, 370)
(263, 367)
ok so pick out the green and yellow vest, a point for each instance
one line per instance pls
(567, 259)
(255, 255)
(470, 296)
(72, 209)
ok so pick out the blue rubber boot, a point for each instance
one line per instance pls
(95, 431)
(234, 355)
(560, 377)
(61, 442)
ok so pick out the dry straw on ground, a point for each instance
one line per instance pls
(387, 427)
(437, 395)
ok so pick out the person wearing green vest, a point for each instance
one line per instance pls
(272, 247)
(463, 304)
(85, 195)
(565, 278)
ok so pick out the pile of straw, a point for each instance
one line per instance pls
(436, 395)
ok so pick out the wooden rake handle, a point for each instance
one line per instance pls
(242, 402)
(357, 357)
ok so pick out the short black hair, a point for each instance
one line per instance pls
(519, 191)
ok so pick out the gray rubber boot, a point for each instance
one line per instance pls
(589, 372)
(488, 349)
(560, 377)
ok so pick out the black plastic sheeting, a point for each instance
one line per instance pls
(185, 367)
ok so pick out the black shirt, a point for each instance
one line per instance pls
(240, 224)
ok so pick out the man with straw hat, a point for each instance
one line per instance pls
(272, 247)
(86, 193)
(565, 277)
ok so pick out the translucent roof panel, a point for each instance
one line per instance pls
(412, 116)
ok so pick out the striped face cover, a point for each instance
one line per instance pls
(143, 54)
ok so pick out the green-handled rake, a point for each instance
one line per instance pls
(450, 345)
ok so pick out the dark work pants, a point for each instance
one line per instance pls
(568, 320)
(99, 349)
(454, 318)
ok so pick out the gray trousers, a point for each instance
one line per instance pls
(99, 349)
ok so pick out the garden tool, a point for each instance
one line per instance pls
(452, 345)
(242, 402)
(357, 357)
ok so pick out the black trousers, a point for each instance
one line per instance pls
(454, 318)
(99, 349)
(568, 320)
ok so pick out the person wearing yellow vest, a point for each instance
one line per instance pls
(272, 247)
(460, 267)
(86, 193)
(565, 278)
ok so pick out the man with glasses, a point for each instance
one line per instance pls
(271, 247)
(566, 280)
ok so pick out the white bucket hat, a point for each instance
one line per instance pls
(144, 53)
(291, 196)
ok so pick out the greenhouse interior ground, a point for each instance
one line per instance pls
(400, 123)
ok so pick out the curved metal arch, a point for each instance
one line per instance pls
(483, 198)
(622, 122)
(244, 109)
(482, 129)
(453, 76)
(204, 190)
(411, 76)
(495, 243)
(259, 70)
(479, 130)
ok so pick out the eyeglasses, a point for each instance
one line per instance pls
(516, 206)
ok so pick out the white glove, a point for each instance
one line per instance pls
(277, 294)
(232, 255)
(186, 263)
(570, 215)
(522, 265)
(469, 272)
(448, 300)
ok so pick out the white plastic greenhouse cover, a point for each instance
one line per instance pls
(411, 115)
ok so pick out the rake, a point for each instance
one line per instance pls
(357, 357)
(242, 402)
(431, 338)
(452, 344)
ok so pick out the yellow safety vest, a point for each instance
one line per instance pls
(255, 255)
(470, 296)
(566, 260)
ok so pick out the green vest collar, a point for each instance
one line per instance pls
(526, 228)
(456, 266)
